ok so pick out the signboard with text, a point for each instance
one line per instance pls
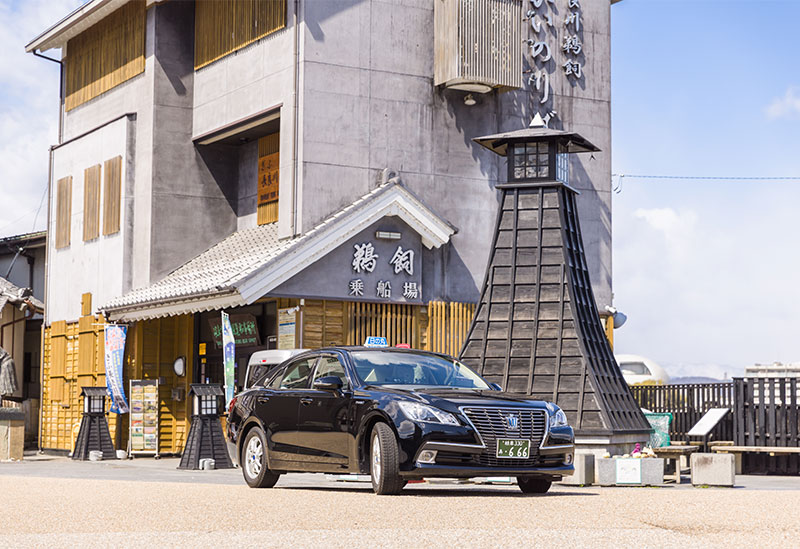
(382, 263)
(244, 328)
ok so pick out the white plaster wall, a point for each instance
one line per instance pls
(95, 266)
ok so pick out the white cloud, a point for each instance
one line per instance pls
(707, 276)
(786, 106)
(29, 88)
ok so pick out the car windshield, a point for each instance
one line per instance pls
(416, 369)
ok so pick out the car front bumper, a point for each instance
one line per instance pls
(451, 471)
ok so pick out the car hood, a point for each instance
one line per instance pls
(452, 399)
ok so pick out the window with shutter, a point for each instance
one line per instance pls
(91, 203)
(112, 195)
(268, 178)
(63, 211)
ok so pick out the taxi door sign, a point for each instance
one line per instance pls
(376, 341)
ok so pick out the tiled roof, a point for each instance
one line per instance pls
(214, 270)
(226, 268)
(9, 292)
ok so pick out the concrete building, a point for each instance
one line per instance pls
(306, 166)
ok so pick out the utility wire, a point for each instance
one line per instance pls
(721, 178)
(617, 187)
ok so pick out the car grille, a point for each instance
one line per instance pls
(491, 424)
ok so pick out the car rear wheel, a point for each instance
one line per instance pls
(384, 462)
(531, 485)
(254, 461)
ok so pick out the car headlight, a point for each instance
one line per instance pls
(427, 414)
(557, 416)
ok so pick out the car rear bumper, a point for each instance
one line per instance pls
(450, 471)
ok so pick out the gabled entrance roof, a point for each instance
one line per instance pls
(250, 263)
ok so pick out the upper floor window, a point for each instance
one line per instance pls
(224, 26)
(105, 55)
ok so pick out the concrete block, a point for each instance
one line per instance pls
(584, 471)
(652, 472)
(713, 469)
(12, 434)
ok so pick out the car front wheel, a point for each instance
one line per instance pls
(531, 485)
(384, 462)
(254, 461)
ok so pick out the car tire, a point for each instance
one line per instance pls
(254, 461)
(533, 485)
(384, 461)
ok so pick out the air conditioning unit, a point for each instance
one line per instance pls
(478, 44)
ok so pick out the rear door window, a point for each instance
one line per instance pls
(298, 374)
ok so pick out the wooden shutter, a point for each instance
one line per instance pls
(91, 203)
(58, 349)
(105, 55)
(112, 195)
(224, 26)
(268, 178)
(63, 211)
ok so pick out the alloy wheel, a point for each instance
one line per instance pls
(254, 456)
(376, 458)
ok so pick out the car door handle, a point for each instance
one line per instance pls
(305, 401)
(262, 400)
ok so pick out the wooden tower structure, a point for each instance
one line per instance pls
(537, 330)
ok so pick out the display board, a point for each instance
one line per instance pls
(144, 416)
(287, 324)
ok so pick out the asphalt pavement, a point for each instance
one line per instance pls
(52, 501)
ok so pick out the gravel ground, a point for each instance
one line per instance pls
(47, 512)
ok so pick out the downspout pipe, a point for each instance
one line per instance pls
(60, 90)
(47, 237)
(296, 116)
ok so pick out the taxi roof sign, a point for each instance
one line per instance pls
(376, 341)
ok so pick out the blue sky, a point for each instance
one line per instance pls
(705, 270)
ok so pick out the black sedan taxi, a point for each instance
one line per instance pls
(397, 414)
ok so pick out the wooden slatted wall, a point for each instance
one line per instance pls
(63, 211)
(91, 202)
(448, 324)
(156, 344)
(397, 322)
(224, 26)
(112, 195)
(105, 55)
(323, 323)
(72, 357)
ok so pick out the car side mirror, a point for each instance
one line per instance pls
(328, 383)
(495, 387)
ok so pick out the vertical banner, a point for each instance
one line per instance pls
(229, 351)
(114, 354)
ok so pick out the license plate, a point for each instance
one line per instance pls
(513, 448)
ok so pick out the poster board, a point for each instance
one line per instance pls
(144, 417)
(287, 324)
